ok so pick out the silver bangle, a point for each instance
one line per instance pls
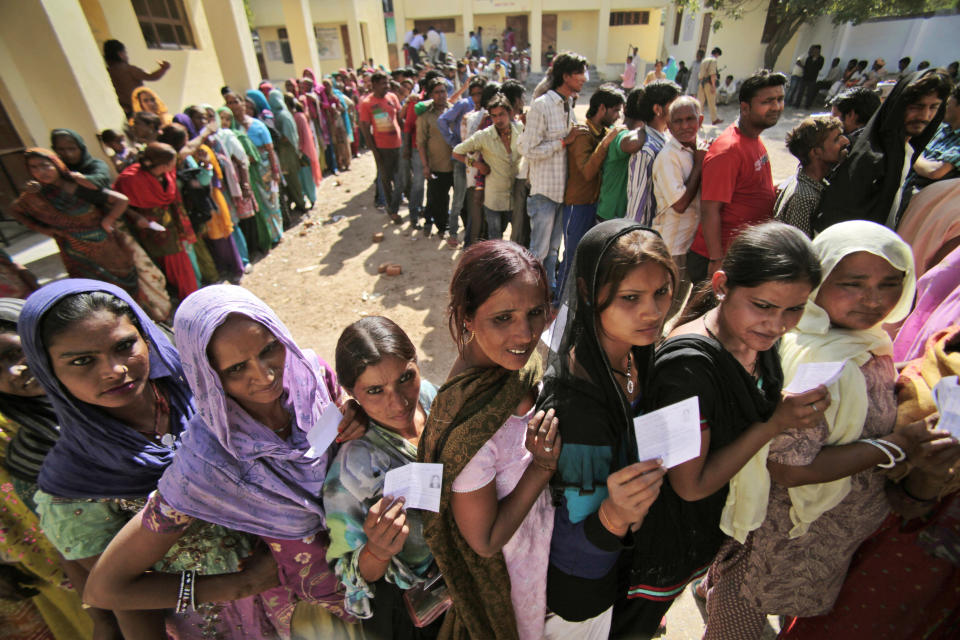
(891, 461)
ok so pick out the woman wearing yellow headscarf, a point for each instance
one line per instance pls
(793, 542)
(145, 99)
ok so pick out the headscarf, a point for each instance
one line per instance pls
(930, 222)
(265, 88)
(94, 170)
(187, 123)
(468, 410)
(260, 103)
(144, 190)
(98, 456)
(162, 111)
(608, 419)
(233, 470)
(249, 148)
(671, 69)
(62, 169)
(38, 427)
(864, 185)
(815, 340)
(283, 118)
(938, 306)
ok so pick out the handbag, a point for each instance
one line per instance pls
(427, 600)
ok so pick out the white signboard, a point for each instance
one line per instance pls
(328, 43)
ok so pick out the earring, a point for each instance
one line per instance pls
(721, 297)
(783, 328)
(470, 339)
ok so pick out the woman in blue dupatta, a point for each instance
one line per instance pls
(288, 146)
(122, 402)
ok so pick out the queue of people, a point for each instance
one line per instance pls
(173, 481)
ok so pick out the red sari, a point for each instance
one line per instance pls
(159, 201)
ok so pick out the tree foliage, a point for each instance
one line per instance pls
(789, 15)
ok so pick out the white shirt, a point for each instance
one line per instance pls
(671, 169)
(542, 144)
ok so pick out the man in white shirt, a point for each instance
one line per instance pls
(676, 178)
(416, 43)
(547, 133)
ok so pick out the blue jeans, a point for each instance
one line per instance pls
(577, 220)
(546, 232)
(496, 222)
(459, 191)
(416, 187)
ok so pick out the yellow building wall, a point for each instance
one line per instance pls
(456, 41)
(577, 31)
(645, 37)
(53, 74)
(194, 75)
(276, 69)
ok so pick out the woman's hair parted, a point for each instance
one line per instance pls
(485, 267)
(367, 342)
(769, 252)
(79, 306)
(631, 250)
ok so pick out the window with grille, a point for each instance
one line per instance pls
(628, 18)
(285, 45)
(164, 24)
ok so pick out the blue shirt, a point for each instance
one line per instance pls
(945, 145)
(449, 122)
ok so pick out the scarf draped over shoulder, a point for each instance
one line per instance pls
(468, 410)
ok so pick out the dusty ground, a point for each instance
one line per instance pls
(323, 276)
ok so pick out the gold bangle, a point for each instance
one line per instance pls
(605, 521)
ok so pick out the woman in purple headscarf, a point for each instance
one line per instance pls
(122, 402)
(246, 462)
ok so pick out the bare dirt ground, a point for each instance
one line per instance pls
(324, 276)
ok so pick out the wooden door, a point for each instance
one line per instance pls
(705, 30)
(549, 36)
(345, 38)
(519, 25)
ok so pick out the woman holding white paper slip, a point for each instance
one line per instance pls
(616, 303)
(794, 537)
(724, 354)
(376, 546)
(246, 463)
(491, 536)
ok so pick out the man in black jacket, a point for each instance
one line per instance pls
(811, 69)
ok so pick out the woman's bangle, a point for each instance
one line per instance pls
(543, 466)
(906, 492)
(605, 521)
(891, 459)
(185, 597)
(376, 557)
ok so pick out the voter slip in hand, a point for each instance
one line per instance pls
(946, 395)
(811, 375)
(322, 435)
(418, 483)
(671, 433)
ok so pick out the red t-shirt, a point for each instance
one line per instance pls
(381, 113)
(736, 171)
(410, 119)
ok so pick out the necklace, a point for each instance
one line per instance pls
(628, 374)
(753, 369)
(161, 419)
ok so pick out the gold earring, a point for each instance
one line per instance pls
(783, 328)
(470, 339)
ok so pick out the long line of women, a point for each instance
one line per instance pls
(200, 194)
(178, 488)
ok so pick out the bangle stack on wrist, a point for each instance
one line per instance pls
(889, 449)
(185, 597)
(605, 520)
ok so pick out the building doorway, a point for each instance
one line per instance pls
(345, 38)
(519, 24)
(548, 41)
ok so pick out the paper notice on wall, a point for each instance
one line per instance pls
(273, 50)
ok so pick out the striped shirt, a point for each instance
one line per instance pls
(641, 204)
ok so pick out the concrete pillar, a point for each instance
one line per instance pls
(467, 25)
(356, 37)
(52, 65)
(603, 32)
(234, 45)
(536, 35)
(303, 43)
(400, 24)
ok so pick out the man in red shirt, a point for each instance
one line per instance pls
(737, 184)
(381, 130)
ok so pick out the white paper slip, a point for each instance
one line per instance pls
(322, 435)
(156, 226)
(418, 483)
(811, 375)
(946, 395)
(671, 433)
(552, 334)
